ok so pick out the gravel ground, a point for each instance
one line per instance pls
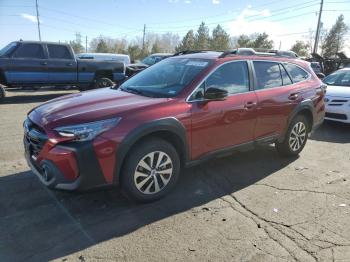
(252, 206)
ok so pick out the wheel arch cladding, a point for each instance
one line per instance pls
(169, 129)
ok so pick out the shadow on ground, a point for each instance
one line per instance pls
(20, 96)
(333, 132)
(38, 224)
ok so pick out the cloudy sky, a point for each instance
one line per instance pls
(284, 21)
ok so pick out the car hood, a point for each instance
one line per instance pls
(88, 107)
(338, 91)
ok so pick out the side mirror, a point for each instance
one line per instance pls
(215, 94)
(320, 75)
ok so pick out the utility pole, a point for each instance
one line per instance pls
(143, 38)
(85, 44)
(318, 28)
(37, 18)
(280, 45)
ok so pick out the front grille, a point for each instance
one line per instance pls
(34, 137)
(336, 116)
(337, 102)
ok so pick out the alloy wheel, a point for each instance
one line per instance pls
(297, 136)
(153, 172)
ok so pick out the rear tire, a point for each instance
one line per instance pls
(296, 137)
(151, 170)
(2, 92)
(103, 82)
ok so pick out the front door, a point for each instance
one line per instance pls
(218, 125)
(28, 65)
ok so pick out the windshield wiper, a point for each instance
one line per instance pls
(134, 91)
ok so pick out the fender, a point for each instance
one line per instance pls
(170, 124)
(304, 105)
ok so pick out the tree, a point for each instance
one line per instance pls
(262, 41)
(156, 47)
(301, 48)
(187, 43)
(77, 44)
(334, 40)
(102, 47)
(220, 39)
(135, 52)
(243, 41)
(202, 37)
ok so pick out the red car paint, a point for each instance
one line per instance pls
(209, 126)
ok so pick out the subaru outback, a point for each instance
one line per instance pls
(181, 111)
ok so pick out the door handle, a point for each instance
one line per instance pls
(43, 63)
(293, 96)
(249, 105)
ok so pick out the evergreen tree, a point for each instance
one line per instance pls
(334, 40)
(262, 41)
(243, 41)
(156, 47)
(202, 37)
(301, 48)
(220, 39)
(102, 47)
(187, 43)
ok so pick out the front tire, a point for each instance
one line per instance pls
(151, 170)
(296, 137)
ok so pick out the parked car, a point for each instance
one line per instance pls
(146, 62)
(338, 96)
(176, 113)
(31, 63)
(105, 57)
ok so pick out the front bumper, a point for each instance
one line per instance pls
(70, 166)
(338, 109)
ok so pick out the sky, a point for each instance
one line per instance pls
(284, 21)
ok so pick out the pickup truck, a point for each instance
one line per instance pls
(33, 63)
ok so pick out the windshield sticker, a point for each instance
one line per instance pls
(197, 63)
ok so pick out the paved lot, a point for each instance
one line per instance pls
(252, 206)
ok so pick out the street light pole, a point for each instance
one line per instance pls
(37, 18)
(318, 28)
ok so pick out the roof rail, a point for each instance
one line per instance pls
(258, 52)
(186, 52)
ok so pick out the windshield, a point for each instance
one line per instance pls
(150, 60)
(166, 78)
(338, 78)
(8, 48)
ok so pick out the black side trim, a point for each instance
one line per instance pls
(171, 125)
(221, 152)
(88, 165)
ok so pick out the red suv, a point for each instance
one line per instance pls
(176, 113)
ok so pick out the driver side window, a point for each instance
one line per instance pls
(232, 77)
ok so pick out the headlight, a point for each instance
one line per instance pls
(87, 131)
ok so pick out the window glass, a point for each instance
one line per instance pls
(285, 78)
(338, 78)
(59, 52)
(7, 50)
(30, 51)
(268, 74)
(296, 73)
(166, 78)
(232, 77)
(198, 93)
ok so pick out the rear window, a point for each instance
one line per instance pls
(297, 74)
(30, 51)
(268, 74)
(59, 52)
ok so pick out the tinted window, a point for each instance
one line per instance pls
(267, 74)
(232, 77)
(285, 78)
(7, 50)
(296, 73)
(59, 52)
(30, 51)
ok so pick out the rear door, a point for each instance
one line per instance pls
(277, 97)
(62, 66)
(28, 65)
(218, 125)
